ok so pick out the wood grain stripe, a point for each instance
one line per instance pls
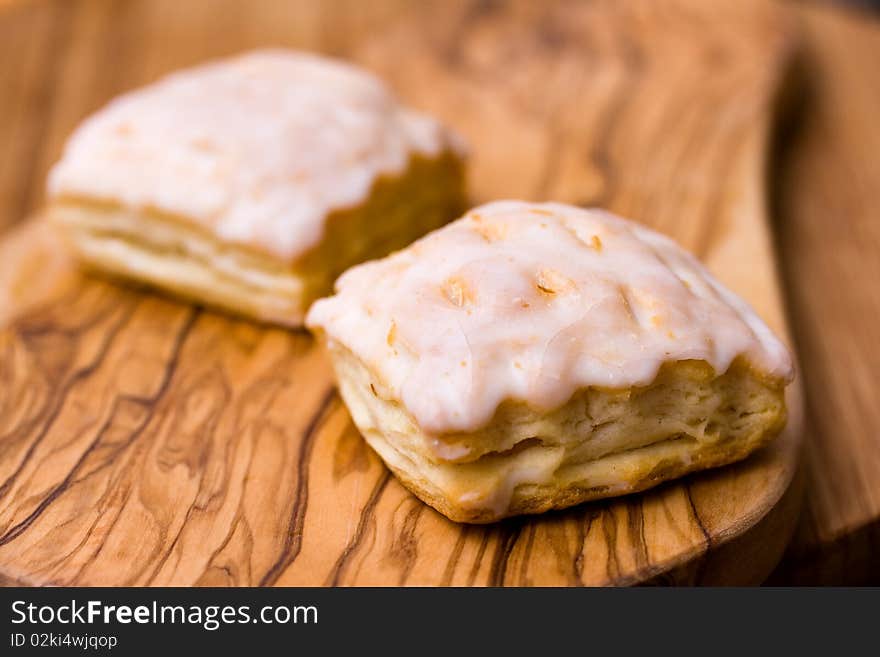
(336, 574)
(293, 536)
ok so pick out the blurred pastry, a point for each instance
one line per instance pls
(533, 356)
(251, 183)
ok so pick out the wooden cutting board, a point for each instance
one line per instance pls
(146, 441)
(827, 218)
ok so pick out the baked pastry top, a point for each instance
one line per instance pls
(496, 363)
(257, 154)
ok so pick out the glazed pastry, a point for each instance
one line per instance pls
(251, 183)
(533, 356)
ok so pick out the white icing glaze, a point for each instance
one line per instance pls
(258, 148)
(532, 302)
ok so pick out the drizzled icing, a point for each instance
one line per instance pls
(531, 302)
(257, 149)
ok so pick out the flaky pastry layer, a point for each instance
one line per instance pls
(600, 443)
(176, 255)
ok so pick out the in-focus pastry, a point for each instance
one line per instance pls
(533, 356)
(252, 182)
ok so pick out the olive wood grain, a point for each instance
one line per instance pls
(829, 236)
(145, 441)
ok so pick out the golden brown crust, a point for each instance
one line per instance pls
(547, 498)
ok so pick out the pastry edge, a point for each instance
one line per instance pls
(547, 499)
(177, 269)
(631, 470)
